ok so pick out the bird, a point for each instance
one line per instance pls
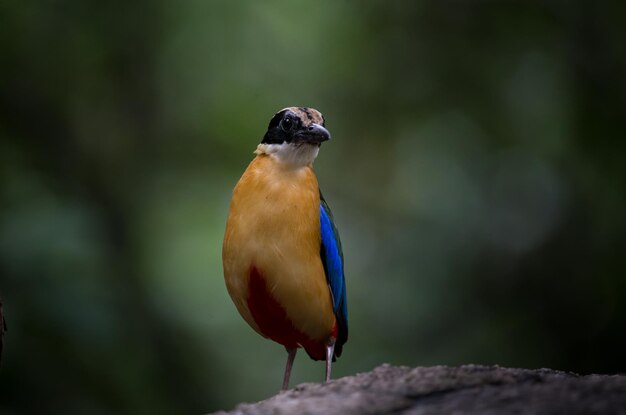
(282, 256)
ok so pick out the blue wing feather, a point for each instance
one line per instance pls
(332, 258)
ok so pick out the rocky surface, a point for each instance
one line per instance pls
(468, 389)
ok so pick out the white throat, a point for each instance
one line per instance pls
(291, 155)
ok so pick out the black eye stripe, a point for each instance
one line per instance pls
(284, 125)
(276, 119)
(287, 123)
(281, 127)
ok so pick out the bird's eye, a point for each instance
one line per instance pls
(287, 124)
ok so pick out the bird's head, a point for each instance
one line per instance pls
(294, 136)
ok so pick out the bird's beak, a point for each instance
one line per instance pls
(313, 134)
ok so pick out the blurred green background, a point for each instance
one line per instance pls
(477, 174)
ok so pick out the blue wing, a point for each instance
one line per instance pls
(332, 258)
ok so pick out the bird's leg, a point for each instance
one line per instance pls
(330, 350)
(290, 357)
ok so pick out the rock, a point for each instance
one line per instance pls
(469, 389)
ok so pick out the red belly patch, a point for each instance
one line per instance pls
(272, 319)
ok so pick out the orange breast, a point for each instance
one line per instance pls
(271, 257)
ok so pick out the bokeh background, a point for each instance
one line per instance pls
(477, 174)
